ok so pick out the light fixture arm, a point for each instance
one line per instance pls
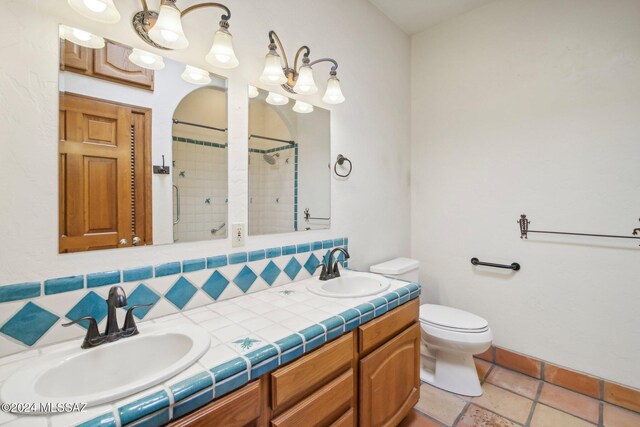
(274, 39)
(305, 57)
(334, 68)
(224, 17)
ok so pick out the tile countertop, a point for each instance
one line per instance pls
(250, 336)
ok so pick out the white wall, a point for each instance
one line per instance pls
(533, 107)
(376, 138)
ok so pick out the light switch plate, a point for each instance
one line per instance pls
(237, 234)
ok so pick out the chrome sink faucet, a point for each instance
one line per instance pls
(330, 270)
(117, 298)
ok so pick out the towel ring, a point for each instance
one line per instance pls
(340, 161)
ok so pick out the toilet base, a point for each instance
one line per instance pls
(454, 372)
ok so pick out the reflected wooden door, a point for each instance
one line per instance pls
(99, 196)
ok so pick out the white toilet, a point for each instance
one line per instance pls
(450, 337)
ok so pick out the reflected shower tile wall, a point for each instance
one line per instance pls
(200, 172)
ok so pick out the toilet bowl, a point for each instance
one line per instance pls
(450, 337)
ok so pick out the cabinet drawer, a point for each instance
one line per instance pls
(239, 409)
(346, 420)
(377, 332)
(295, 381)
(323, 408)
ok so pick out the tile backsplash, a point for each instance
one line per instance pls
(33, 313)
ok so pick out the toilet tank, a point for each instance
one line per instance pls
(399, 268)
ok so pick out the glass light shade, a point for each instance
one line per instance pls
(97, 10)
(147, 60)
(221, 54)
(196, 75)
(277, 99)
(302, 107)
(333, 94)
(167, 30)
(253, 91)
(305, 84)
(273, 74)
(81, 38)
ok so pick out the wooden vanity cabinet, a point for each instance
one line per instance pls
(368, 377)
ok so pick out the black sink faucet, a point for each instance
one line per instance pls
(116, 299)
(330, 270)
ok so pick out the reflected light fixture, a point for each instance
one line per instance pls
(253, 91)
(81, 37)
(277, 71)
(163, 30)
(97, 10)
(147, 60)
(302, 107)
(277, 99)
(195, 75)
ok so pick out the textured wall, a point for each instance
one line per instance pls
(532, 107)
(375, 137)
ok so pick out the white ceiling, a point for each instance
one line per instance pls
(414, 16)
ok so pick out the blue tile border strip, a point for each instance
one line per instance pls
(23, 291)
(199, 389)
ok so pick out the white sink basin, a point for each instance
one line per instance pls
(110, 371)
(349, 285)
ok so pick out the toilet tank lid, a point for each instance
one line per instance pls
(395, 266)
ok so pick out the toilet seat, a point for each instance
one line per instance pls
(451, 319)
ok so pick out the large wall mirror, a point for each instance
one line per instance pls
(119, 105)
(289, 155)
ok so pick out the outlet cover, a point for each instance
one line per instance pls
(237, 235)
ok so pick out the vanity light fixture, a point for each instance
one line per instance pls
(163, 30)
(98, 10)
(147, 60)
(81, 37)
(298, 79)
(276, 99)
(302, 107)
(195, 75)
(253, 91)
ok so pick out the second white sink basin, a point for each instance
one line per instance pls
(110, 371)
(351, 284)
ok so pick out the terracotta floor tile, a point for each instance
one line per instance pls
(504, 403)
(576, 381)
(487, 355)
(514, 381)
(576, 404)
(518, 362)
(622, 396)
(618, 417)
(545, 416)
(416, 419)
(482, 367)
(478, 417)
(439, 404)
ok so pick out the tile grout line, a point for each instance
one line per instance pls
(535, 403)
(422, 414)
(601, 414)
(461, 414)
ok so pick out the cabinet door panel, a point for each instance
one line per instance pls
(380, 330)
(390, 380)
(112, 62)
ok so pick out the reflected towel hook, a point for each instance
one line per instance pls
(340, 161)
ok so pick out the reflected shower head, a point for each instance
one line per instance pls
(271, 158)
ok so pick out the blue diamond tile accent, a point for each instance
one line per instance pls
(215, 285)
(92, 305)
(137, 274)
(142, 295)
(245, 278)
(270, 273)
(311, 264)
(103, 279)
(29, 324)
(19, 291)
(293, 268)
(181, 293)
(63, 284)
